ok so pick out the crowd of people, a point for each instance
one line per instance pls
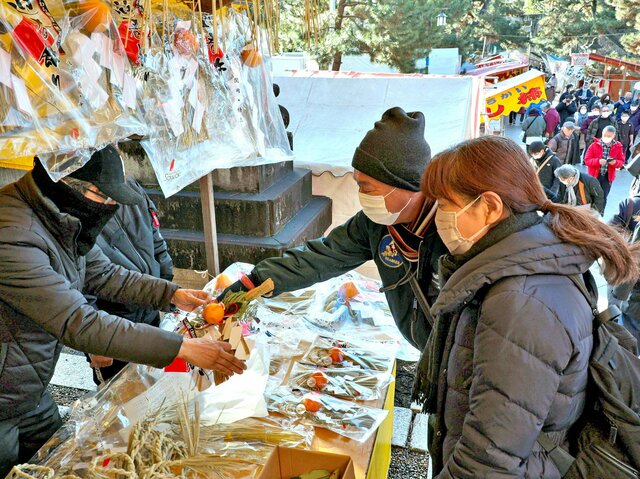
(483, 282)
(585, 128)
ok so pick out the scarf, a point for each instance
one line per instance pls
(407, 237)
(571, 192)
(425, 387)
(93, 216)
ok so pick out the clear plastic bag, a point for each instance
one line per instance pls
(340, 354)
(345, 418)
(346, 383)
(63, 91)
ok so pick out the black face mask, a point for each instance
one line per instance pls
(93, 216)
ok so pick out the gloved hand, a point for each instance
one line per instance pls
(246, 283)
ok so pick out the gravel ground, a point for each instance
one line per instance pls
(406, 464)
(65, 396)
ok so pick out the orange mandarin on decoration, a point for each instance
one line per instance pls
(97, 14)
(250, 56)
(311, 405)
(336, 355)
(213, 313)
(185, 42)
(222, 282)
(318, 380)
(348, 291)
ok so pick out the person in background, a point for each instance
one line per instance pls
(596, 98)
(603, 158)
(634, 118)
(627, 296)
(606, 100)
(584, 128)
(508, 356)
(566, 144)
(627, 215)
(622, 105)
(533, 127)
(568, 91)
(48, 259)
(584, 94)
(551, 87)
(581, 115)
(577, 189)
(625, 134)
(132, 240)
(597, 126)
(567, 108)
(545, 163)
(551, 119)
(395, 228)
(579, 118)
(514, 114)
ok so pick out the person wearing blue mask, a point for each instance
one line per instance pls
(395, 229)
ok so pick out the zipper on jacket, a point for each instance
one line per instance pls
(617, 463)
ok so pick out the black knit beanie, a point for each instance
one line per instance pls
(395, 151)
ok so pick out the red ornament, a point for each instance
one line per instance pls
(37, 41)
(130, 38)
(336, 355)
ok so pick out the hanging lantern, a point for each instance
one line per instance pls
(441, 19)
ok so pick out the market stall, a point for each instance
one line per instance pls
(309, 385)
(512, 95)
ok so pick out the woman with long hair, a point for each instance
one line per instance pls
(508, 355)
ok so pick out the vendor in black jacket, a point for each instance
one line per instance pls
(546, 163)
(395, 227)
(132, 239)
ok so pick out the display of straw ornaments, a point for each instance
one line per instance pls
(76, 75)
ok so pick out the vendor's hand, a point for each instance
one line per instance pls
(208, 354)
(603, 162)
(100, 361)
(190, 299)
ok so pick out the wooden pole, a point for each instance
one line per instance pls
(209, 224)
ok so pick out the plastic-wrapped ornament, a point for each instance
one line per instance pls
(185, 42)
(97, 15)
(318, 380)
(250, 56)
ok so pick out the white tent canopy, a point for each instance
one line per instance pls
(331, 112)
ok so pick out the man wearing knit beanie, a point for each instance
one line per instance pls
(395, 228)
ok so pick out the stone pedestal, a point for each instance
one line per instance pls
(261, 211)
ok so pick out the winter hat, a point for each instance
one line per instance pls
(395, 151)
(569, 125)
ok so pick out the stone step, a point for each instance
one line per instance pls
(401, 424)
(73, 371)
(268, 211)
(187, 247)
(247, 179)
(420, 434)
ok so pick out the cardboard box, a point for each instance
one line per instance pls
(285, 463)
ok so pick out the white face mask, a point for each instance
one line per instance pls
(606, 141)
(605, 114)
(375, 208)
(447, 226)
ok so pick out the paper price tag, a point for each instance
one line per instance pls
(129, 91)
(5, 68)
(22, 97)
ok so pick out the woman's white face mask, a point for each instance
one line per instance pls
(447, 226)
(375, 208)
